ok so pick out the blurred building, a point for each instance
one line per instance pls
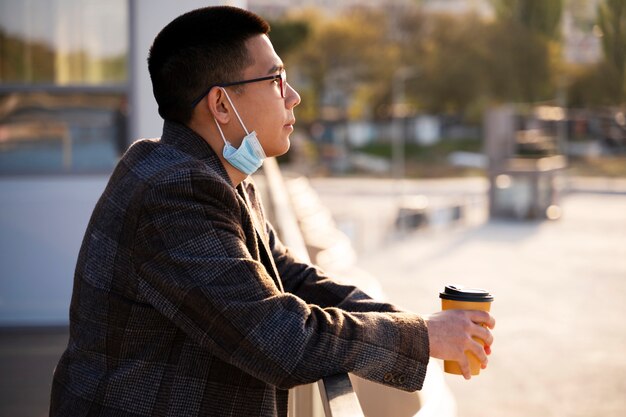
(582, 42)
(74, 92)
(480, 7)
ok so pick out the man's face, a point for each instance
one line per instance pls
(260, 104)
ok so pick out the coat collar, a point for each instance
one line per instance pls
(188, 141)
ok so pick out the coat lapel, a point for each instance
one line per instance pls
(261, 234)
(190, 142)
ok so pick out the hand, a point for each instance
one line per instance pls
(450, 335)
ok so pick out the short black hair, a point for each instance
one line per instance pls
(196, 50)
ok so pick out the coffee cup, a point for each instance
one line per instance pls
(456, 297)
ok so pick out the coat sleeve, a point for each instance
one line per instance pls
(193, 266)
(312, 285)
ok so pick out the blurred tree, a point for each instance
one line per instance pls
(345, 60)
(448, 56)
(612, 23)
(594, 86)
(539, 16)
(287, 35)
(35, 62)
(519, 67)
(23, 61)
(465, 63)
(349, 65)
(582, 13)
(525, 49)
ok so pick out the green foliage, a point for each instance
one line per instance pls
(518, 64)
(451, 70)
(429, 161)
(435, 152)
(612, 23)
(595, 86)
(355, 65)
(346, 57)
(467, 63)
(35, 62)
(287, 35)
(25, 62)
(538, 16)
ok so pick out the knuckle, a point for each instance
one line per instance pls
(467, 325)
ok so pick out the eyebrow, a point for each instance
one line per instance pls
(276, 67)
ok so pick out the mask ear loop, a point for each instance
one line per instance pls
(235, 110)
(220, 130)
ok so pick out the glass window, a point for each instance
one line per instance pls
(44, 132)
(63, 85)
(63, 41)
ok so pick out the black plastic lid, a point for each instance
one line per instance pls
(459, 293)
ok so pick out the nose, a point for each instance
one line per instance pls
(292, 98)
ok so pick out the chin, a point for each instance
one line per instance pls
(278, 151)
(287, 146)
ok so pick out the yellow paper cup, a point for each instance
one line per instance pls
(455, 297)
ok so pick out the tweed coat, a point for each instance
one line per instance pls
(186, 303)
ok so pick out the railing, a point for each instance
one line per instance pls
(337, 395)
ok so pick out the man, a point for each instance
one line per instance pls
(185, 302)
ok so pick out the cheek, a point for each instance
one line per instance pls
(272, 124)
(268, 121)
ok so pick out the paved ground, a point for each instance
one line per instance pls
(560, 291)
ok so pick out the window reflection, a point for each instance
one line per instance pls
(63, 84)
(45, 132)
(63, 41)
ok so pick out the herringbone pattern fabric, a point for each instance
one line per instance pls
(186, 303)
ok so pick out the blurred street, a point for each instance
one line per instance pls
(559, 293)
(559, 287)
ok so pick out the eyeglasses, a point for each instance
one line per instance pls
(282, 78)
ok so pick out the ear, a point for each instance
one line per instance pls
(218, 105)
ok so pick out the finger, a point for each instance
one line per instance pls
(465, 368)
(484, 334)
(479, 351)
(483, 318)
(487, 350)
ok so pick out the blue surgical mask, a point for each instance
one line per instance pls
(249, 157)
